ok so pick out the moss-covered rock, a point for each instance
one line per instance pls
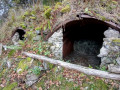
(116, 40)
(58, 5)
(24, 64)
(66, 9)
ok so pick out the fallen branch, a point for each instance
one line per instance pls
(79, 68)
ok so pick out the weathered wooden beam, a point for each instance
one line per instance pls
(85, 70)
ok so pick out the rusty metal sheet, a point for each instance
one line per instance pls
(82, 17)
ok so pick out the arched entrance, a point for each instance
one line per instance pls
(82, 40)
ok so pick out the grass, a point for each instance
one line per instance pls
(33, 18)
(53, 80)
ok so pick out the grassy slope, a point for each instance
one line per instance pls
(35, 18)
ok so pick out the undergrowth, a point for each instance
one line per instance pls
(35, 18)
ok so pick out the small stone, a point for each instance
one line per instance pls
(8, 64)
(59, 68)
(114, 68)
(114, 48)
(19, 70)
(38, 32)
(103, 52)
(70, 80)
(52, 48)
(107, 39)
(118, 60)
(106, 60)
(45, 65)
(111, 33)
(31, 79)
(15, 38)
(0, 48)
(29, 83)
(5, 47)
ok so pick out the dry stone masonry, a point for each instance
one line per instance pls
(57, 44)
(110, 51)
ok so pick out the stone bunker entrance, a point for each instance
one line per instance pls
(82, 41)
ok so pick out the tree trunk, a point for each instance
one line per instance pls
(79, 68)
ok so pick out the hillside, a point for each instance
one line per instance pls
(18, 72)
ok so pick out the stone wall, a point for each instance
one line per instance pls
(110, 51)
(57, 44)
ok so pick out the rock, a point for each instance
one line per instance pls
(111, 33)
(118, 60)
(45, 65)
(107, 40)
(70, 80)
(15, 38)
(59, 68)
(37, 38)
(52, 48)
(105, 61)
(114, 68)
(57, 44)
(5, 47)
(38, 32)
(103, 52)
(0, 48)
(8, 64)
(19, 70)
(31, 79)
(114, 48)
(29, 83)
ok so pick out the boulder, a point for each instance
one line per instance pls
(103, 52)
(111, 33)
(31, 79)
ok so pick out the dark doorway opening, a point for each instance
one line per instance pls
(82, 41)
(21, 33)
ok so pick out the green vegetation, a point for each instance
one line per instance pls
(35, 18)
(48, 13)
(10, 86)
(24, 64)
(66, 9)
(36, 70)
(57, 81)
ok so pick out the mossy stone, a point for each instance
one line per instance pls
(23, 64)
(66, 9)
